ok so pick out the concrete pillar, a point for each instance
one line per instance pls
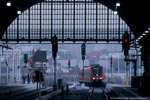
(16, 66)
(19, 66)
(130, 74)
(118, 65)
(7, 67)
(127, 74)
(147, 64)
(13, 68)
(0, 69)
(145, 81)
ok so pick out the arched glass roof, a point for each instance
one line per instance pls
(69, 20)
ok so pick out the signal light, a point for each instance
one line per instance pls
(126, 40)
(54, 43)
(30, 62)
(69, 62)
(125, 43)
(83, 51)
(111, 61)
(25, 58)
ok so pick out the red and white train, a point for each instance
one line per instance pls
(93, 75)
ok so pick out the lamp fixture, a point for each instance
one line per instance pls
(146, 31)
(118, 4)
(19, 12)
(140, 47)
(8, 4)
(143, 34)
(115, 12)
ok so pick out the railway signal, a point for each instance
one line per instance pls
(31, 63)
(111, 61)
(25, 58)
(125, 43)
(54, 52)
(68, 63)
(54, 46)
(111, 64)
(39, 76)
(83, 51)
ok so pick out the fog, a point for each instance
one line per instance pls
(12, 61)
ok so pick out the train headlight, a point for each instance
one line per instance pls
(93, 78)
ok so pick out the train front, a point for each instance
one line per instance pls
(98, 75)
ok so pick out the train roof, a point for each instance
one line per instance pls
(93, 65)
(86, 66)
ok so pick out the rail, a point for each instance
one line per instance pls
(105, 95)
(91, 93)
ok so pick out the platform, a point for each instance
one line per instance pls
(123, 92)
(13, 89)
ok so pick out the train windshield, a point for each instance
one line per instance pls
(97, 71)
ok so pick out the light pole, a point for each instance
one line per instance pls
(13, 69)
(111, 63)
(40, 76)
(55, 86)
(127, 79)
(118, 65)
(18, 62)
(83, 71)
(40, 68)
(69, 68)
(6, 68)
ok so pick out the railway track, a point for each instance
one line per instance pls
(91, 94)
(105, 94)
(101, 95)
(29, 95)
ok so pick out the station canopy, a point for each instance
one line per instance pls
(70, 20)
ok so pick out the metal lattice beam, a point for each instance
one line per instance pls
(70, 21)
